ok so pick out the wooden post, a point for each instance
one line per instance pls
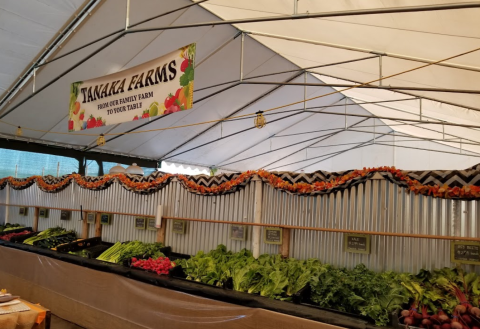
(98, 226)
(285, 246)
(85, 226)
(257, 217)
(35, 219)
(161, 231)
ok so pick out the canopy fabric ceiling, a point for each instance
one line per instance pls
(26, 26)
(292, 140)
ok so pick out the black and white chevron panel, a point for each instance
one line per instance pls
(50, 180)
(211, 181)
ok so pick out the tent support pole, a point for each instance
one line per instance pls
(34, 78)
(344, 13)
(127, 16)
(288, 71)
(380, 70)
(421, 109)
(344, 85)
(310, 145)
(256, 234)
(272, 136)
(61, 75)
(423, 116)
(399, 119)
(363, 50)
(363, 144)
(241, 55)
(406, 93)
(305, 76)
(394, 150)
(165, 156)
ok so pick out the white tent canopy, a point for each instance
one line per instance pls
(382, 126)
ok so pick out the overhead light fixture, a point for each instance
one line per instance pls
(118, 169)
(101, 140)
(260, 120)
(135, 170)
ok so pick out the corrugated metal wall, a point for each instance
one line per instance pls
(376, 205)
(3, 199)
(205, 236)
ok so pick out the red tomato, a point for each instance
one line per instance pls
(169, 101)
(91, 122)
(70, 125)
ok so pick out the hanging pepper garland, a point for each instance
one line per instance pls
(156, 181)
(240, 180)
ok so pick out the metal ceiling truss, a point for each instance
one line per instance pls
(343, 13)
(363, 50)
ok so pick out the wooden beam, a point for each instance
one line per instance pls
(285, 246)
(35, 219)
(161, 231)
(98, 225)
(292, 227)
(85, 226)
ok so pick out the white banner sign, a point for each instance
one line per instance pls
(161, 86)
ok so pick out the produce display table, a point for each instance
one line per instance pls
(37, 317)
(101, 300)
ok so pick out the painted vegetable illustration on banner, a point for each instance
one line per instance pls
(161, 86)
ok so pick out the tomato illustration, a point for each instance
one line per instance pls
(82, 115)
(169, 101)
(135, 118)
(99, 122)
(70, 125)
(91, 122)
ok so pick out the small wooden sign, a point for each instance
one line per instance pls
(64, 215)
(23, 211)
(43, 213)
(464, 252)
(140, 223)
(272, 235)
(357, 243)
(151, 224)
(238, 232)
(178, 226)
(91, 218)
(105, 219)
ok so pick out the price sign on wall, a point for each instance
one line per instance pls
(357, 243)
(91, 218)
(272, 235)
(65, 215)
(178, 226)
(43, 213)
(238, 232)
(465, 252)
(151, 224)
(140, 223)
(105, 219)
